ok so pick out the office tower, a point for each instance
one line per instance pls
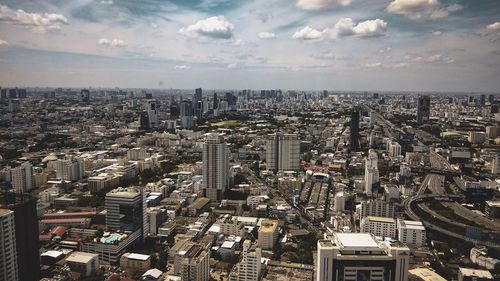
(26, 231)
(198, 103)
(215, 167)
(8, 256)
(248, 269)
(70, 169)
(373, 118)
(360, 256)
(151, 108)
(144, 121)
(14, 105)
(22, 178)
(85, 95)
(12, 93)
(354, 137)
(126, 210)
(494, 165)
(195, 264)
(174, 111)
(186, 112)
(423, 109)
(283, 152)
(215, 101)
(268, 234)
(371, 172)
(411, 233)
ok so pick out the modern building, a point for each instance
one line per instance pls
(135, 261)
(360, 256)
(126, 210)
(70, 169)
(394, 149)
(412, 233)
(379, 226)
(249, 268)
(376, 208)
(354, 128)
(423, 109)
(268, 234)
(22, 178)
(8, 256)
(371, 172)
(137, 153)
(215, 167)
(84, 263)
(339, 202)
(283, 152)
(186, 114)
(151, 108)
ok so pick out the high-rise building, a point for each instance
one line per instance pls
(354, 127)
(22, 178)
(8, 252)
(411, 233)
(376, 208)
(85, 95)
(215, 167)
(126, 210)
(70, 169)
(283, 152)
(360, 256)
(494, 165)
(379, 226)
(339, 202)
(26, 232)
(186, 113)
(371, 172)
(14, 105)
(151, 108)
(268, 234)
(194, 264)
(249, 268)
(394, 149)
(423, 109)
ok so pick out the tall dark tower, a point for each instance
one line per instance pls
(354, 139)
(423, 109)
(216, 101)
(26, 224)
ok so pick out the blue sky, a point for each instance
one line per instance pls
(374, 45)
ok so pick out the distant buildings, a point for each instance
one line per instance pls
(22, 178)
(423, 109)
(70, 169)
(283, 152)
(359, 256)
(215, 167)
(8, 252)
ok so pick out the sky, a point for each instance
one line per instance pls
(345, 45)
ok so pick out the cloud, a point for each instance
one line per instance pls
(308, 33)
(421, 9)
(314, 5)
(324, 55)
(114, 43)
(373, 65)
(434, 58)
(181, 67)
(38, 22)
(437, 33)
(343, 28)
(107, 2)
(213, 27)
(493, 27)
(3, 42)
(266, 35)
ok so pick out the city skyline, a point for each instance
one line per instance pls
(400, 45)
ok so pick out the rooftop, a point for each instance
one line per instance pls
(81, 257)
(426, 274)
(356, 240)
(268, 226)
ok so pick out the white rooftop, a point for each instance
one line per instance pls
(135, 256)
(356, 240)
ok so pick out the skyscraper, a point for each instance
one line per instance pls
(151, 108)
(423, 109)
(21, 178)
(198, 103)
(371, 171)
(186, 113)
(215, 167)
(8, 252)
(283, 152)
(26, 231)
(126, 210)
(354, 127)
(85, 95)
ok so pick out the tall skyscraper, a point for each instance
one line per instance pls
(494, 165)
(8, 252)
(22, 178)
(360, 256)
(283, 152)
(85, 95)
(423, 109)
(151, 108)
(186, 113)
(70, 169)
(371, 172)
(26, 232)
(215, 167)
(354, 127)
(198, 103)
(126, 210)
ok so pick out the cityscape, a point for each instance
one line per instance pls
(259, 140)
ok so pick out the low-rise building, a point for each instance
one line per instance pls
(135, 261)
(84, 263)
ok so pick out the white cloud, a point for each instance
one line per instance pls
(313, 5)
(3, 42)
(343, 28)
(493, 27)
(308, 33)
(266, 35)
(213, 27)
(107, 2)
(233, 65)
(373, 65)
(38, 22)
(421, 9)
(114, 43)
(181, 67)
(437, 33)
(434, 58)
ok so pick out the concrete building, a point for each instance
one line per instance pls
(339, 202)
(70, 169)
(84, 263)
(8, 256)
(371, 172)
(470, 274)
(249, 268)
(360, 256)
(412, 233)
(126, 210)
(425, 274)
(379, 226)
(21, 177)
(494, 165)
(135, 261)
(137, 153)
(476, 137)
(283, 152)
(215, 167)
(376, 208)
(423, 109)
(354, 128)
(194, 264)
(268, 234)
(394, 149)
